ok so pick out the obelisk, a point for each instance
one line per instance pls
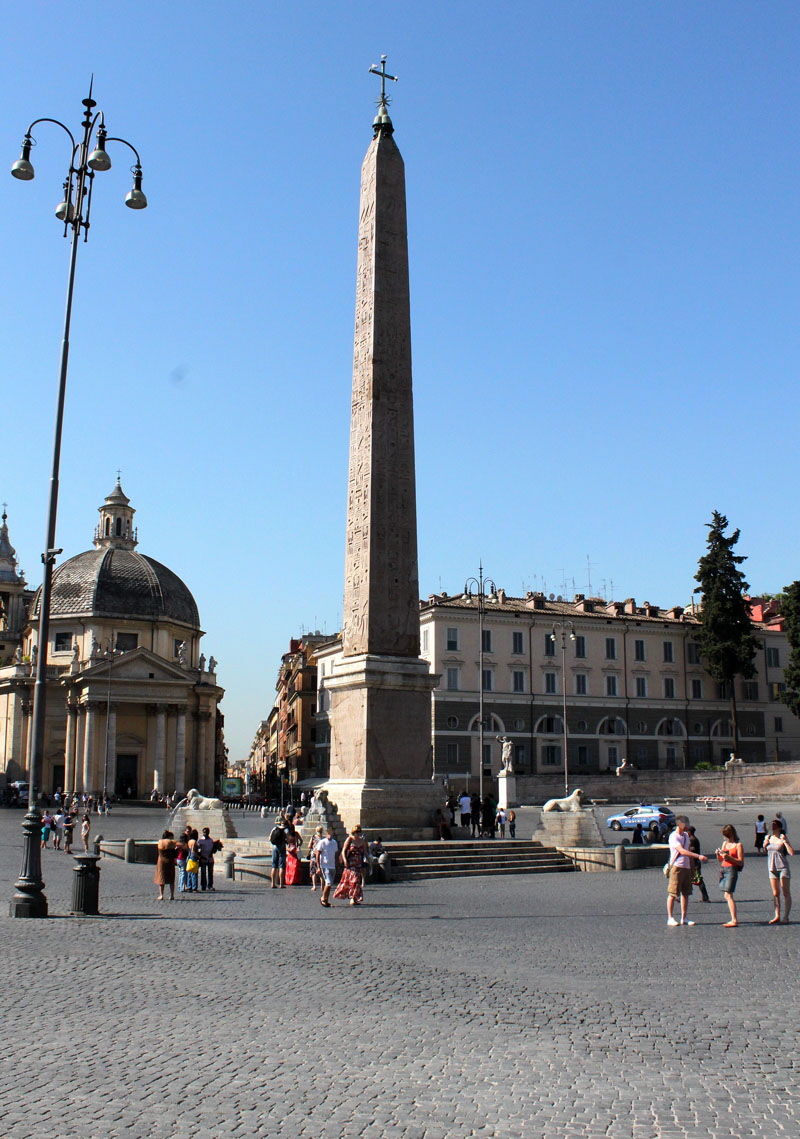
(380, 716)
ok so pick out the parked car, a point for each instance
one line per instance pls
(651, 817)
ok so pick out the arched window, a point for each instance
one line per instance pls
(550, 726)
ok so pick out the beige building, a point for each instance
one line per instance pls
(132, 704)
(629, 677)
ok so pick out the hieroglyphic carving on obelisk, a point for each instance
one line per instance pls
(381, 600)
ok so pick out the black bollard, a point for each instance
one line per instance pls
(86, 886)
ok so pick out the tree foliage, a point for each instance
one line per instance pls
(790, 611)
(726, 634)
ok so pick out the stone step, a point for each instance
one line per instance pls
(403, 875)
(471, 859)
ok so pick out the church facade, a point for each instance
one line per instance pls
(132, 703)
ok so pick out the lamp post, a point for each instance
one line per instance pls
(563, 625)
(88, 156)
(476, 587)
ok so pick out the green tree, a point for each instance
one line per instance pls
(790, 611)
(726, 631)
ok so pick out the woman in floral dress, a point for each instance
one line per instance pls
(354, 853)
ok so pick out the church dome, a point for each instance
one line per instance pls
(116, 581)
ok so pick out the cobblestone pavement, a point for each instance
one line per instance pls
(556, 1005)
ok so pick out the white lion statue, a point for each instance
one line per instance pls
(197, 802)
(573, 802)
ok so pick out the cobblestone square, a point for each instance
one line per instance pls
(556, 1005)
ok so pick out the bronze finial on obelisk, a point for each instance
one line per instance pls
(380, 712)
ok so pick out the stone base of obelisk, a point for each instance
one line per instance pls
(381, 752)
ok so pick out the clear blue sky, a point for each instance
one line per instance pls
(603, 215)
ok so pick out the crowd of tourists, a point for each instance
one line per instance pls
(60, 827)
(187, 862)
(684, 868)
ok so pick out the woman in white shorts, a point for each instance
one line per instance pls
(778, 853)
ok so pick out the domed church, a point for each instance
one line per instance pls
(132, 704)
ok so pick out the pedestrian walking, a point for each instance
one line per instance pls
(779, 850)
(86, 826)
(46, 829)
(731, 860)
(69, 827)
(354, 853)
(465, 807)
(680, 871)
(205, 849)
(181, 857)
(512, 824)
(165, 865)
(784, 825)
(475, 815)
(192, 863)
(326, 853)
(697, 870)
(500, 822)
(760, 834)
(277, 837)
(313, 866)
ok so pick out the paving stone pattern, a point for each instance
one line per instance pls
(551, 1005)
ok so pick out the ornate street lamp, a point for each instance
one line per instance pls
(476, 587)
(564, 625)
(89, 156)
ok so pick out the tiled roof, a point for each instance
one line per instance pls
(121, 583)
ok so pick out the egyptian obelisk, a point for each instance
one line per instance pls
(380, 716)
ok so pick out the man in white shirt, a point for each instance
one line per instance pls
(465, 806)
(326, 852)
(680, 872)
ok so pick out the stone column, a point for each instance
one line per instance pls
(71, 750)
(88, 748)
(180, 752)
(201, 746)
(161, 735)
(110, 764)
(21, 737)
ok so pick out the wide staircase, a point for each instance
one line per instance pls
(466, 859)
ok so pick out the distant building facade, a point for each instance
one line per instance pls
(132, 704)
(632, 676)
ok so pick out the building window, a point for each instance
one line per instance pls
(581, 684)
(723, 690)
(454, 679)
(519, 725)
(518, 680)
(487, 759)
(611, 648)
(550, 685)
(452, 755)
(517, 643)
(549, 645)
(488, 680)
(669, 688)
(613, 756)
(611, 686)
(551, 755)
(669, 652)
(750, 690)
(452, 722)
(641, 686)
(452, 640)
(697, 690)
(487, 640)
(773, 658)
(128, 641)
(639, 651)
(580, 647)
(778, 721)
(424, 640)
(582, 755)
(693, 652)
(520, 756)
(581, 726)
(63, 642)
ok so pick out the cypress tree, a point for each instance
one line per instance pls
(726, 631)
(790, 611)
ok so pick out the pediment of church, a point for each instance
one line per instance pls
(138, 664)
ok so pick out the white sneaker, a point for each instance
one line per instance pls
(671, 921)
(685, 922)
